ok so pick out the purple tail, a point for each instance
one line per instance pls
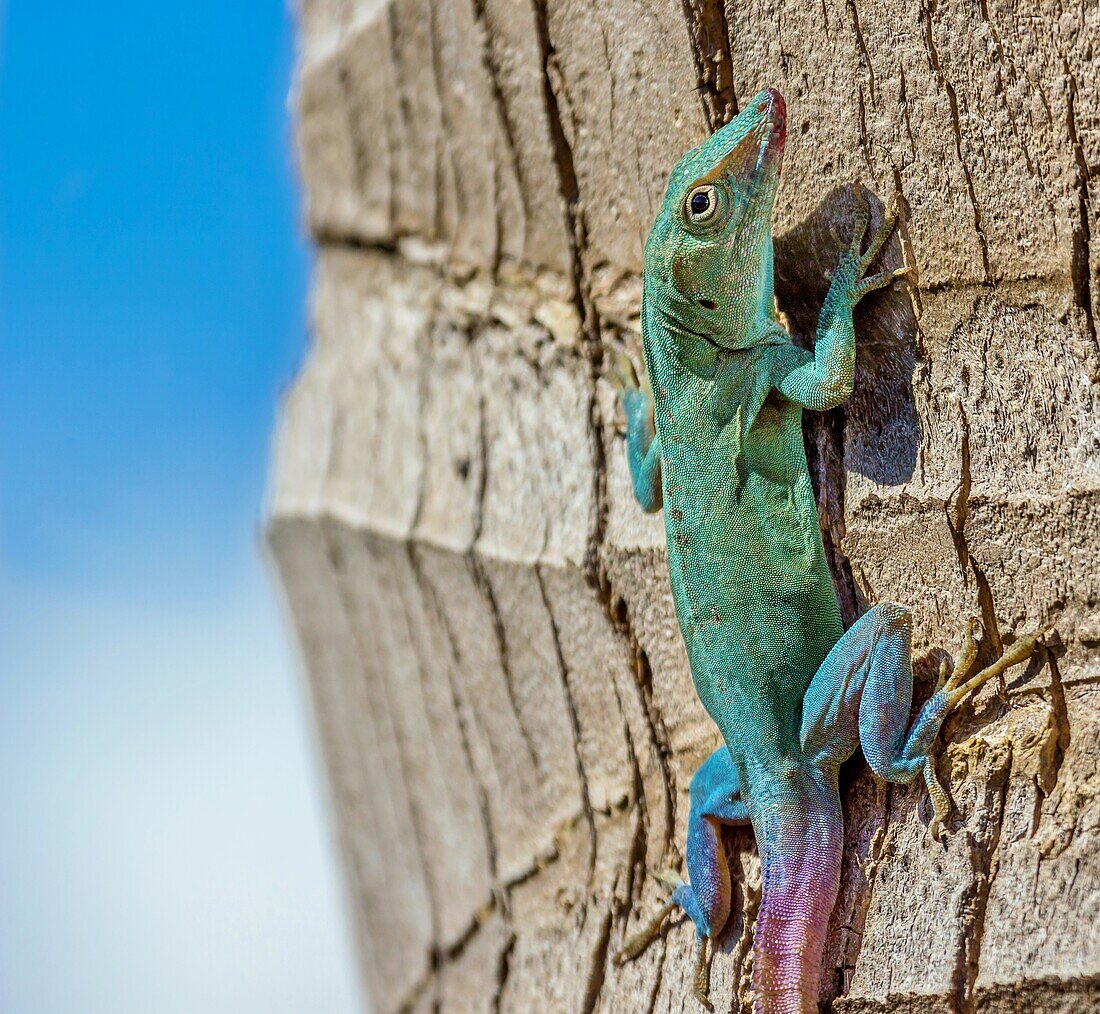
(801, 838)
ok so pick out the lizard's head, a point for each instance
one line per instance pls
(709, 254)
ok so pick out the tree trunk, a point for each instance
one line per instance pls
(499, 684)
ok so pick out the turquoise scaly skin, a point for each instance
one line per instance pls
(719, 445)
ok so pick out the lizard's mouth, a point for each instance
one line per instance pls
(756, 148)
(773, 117)
(756, 158)
(775, 113)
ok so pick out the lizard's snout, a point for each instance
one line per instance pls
(774, 109)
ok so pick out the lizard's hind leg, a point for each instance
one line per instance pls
(715, 800)
(863, 692)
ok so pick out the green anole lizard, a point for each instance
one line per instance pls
(719, 445)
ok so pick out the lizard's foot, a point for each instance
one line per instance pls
(641, 940)
(863, 692)
(962, 682)
(682, 897)
(857, 261)
(715, 802)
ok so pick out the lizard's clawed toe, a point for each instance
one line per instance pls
(960, 686)
(670, 878)
(701, 986)
(855, 261)
(704, 999)
(645, 936)
(940, 800)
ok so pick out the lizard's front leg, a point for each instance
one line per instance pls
(823, 379)
(863, 692)
(643, 446)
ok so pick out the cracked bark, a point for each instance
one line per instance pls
(496, 675)
(953, 101)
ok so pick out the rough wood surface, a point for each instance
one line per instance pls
(498, 681)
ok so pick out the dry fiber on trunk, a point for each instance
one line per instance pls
(499, 685)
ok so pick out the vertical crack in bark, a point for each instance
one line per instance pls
(942, 80)
(599, 966)
(484, 585)
(498, 219)
(504, 968)
(392, 141)
(432, 596)
(662, 742)
(508, 129)
(635, 862)
(1054, 750)
(903, 101)
(861, 121)
(1080, 265)
(864, 53)
(710, 45)
(483, 454)
(982, 883)
(336, 561)
(444, 156)
(823, 435)
(590, 325)
(991, 641)
(957, 524)
(574, 725)
(405, 119)
(567, 170)
(447, 132)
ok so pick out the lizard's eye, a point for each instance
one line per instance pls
(701, 204)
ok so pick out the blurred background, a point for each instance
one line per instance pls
(165, 843)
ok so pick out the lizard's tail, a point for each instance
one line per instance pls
(800, 839)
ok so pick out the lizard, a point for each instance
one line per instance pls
(714, 437)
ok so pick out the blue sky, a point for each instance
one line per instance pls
(165, 843)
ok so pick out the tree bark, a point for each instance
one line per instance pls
(499, 685)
